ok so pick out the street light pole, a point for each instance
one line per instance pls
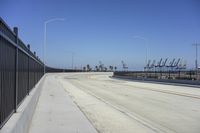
(196, 60)
(146, 44)
(45, 38)
(72, 58)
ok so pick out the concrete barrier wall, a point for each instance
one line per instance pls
(21, 120)
(164, 81)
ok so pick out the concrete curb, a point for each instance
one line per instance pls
(20, 121)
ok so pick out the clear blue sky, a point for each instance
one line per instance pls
(104, 29)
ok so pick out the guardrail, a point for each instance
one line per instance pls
(20, 70)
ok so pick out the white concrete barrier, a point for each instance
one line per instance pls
(21, 120)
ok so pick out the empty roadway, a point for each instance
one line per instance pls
(119, 106)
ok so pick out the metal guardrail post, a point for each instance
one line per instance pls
(16, 69)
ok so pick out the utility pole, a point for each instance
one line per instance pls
(196, 61)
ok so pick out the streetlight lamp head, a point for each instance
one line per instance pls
(139, 37)
(54, 19)
(62, 19)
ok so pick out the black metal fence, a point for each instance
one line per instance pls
(20, 70)
(59, 70)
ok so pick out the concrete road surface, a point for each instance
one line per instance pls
(56, 112)
(118, 106)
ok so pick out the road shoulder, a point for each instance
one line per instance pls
(56, 112)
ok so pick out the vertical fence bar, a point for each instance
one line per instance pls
(16, 69)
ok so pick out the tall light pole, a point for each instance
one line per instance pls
(146, 44)
(45, 37)
(72, 60)
(196, 60)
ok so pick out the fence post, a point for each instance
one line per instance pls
(16, 69)
(34, 69)
(28, 89)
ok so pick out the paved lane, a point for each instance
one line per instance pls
(134, 106)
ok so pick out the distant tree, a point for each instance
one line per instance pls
(111, 68)
(97, 68)
(84, 68)
(88, 67)
(105, 69)
(115, 68)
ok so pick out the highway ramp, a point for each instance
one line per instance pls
(119, 106)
